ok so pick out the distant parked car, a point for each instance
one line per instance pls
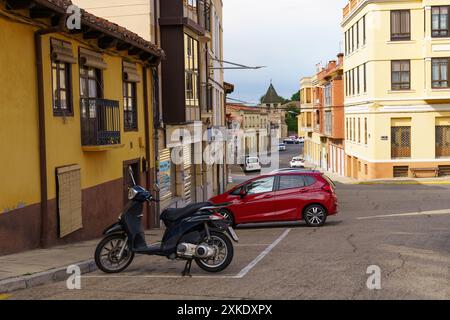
(289, 141)
(281, 196)
(252, 164)
(299, 140)
(297, 162)
(281, 147)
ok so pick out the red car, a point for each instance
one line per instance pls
(290, 195)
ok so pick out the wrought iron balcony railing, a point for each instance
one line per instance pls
(100, 122)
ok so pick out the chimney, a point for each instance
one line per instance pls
(341, 59)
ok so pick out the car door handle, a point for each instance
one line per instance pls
(268, 196)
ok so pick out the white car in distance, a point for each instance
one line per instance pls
(252, 164)
(297, 162)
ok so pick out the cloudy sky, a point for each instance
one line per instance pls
(288, 36)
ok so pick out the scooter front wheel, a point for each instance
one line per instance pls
(113, 254)
(224, 253)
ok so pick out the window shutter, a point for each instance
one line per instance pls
(62, 51)
(69, 199)
(130, 72)
(92, 59)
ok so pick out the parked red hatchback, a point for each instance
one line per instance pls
(284, 195)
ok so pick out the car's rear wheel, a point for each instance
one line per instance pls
(315, 215)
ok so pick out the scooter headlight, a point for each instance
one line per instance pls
(132, 193)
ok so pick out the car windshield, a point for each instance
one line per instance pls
(252, 160)
(297, 159)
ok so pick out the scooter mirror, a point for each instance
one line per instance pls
(130, 171)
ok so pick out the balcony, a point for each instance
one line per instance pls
(100, 124)
(190, 10)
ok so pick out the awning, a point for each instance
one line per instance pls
(130, 72)
(62, 51)
(92, 59)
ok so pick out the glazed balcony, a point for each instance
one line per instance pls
(100, 124)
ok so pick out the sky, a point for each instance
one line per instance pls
(290, 37)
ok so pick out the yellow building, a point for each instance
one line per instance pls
(397, 88)
(76, 109)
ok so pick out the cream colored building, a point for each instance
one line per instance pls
(397, 88)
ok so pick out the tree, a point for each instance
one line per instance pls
(296, 96)
(291, 117)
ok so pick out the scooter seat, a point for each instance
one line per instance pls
(172, 215)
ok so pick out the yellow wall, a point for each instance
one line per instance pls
(19, 112)
(19, 149)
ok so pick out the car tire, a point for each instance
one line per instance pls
(315, 215)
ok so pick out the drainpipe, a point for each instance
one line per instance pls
(41, 110)
(150, 222)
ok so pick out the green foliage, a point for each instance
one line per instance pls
(291, 117)
(296, 96)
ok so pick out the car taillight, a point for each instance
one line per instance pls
(327, 188)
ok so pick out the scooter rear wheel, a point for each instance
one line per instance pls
(107, 254)
(223, 257)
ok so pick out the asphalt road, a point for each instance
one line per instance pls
(291, 261)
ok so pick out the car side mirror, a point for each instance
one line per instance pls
(243, 193)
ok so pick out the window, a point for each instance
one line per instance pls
(354, 129)
(291, 182)
(346, 129)
(129, 106)
(328, 98)
(364, 29)
(366, 133)
(91, 82)
(439, 73)
(62, 88)
(352, 32)
(353, 81)
(400, 75)
(401, 142)
(357, 81)
(365, 77)
(442, 141)
(359, 130)
(346, 83)
(400, 25)
(260, 186)
(440, 21)
(191, 71)
(357, 34)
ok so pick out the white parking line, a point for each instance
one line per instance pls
(240, 275)
(261, 255)
(410, 214)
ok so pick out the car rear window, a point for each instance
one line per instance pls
(309, 180)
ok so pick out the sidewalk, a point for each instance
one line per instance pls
(41, 266)
(397, 181)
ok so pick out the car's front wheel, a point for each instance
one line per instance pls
(315, 215)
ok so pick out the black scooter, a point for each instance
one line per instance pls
(196, 232)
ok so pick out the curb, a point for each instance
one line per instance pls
(54, 275)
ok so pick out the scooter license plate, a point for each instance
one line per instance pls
(233, 234)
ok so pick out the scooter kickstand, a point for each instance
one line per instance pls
(187, 269)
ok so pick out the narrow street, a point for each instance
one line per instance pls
(404, 230)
